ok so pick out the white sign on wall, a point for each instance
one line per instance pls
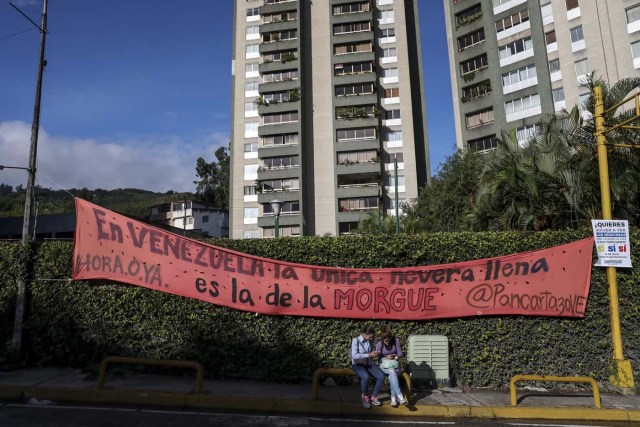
(612, 242)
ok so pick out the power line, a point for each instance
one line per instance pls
(16, 34)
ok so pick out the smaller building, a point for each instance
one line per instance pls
(192, 216)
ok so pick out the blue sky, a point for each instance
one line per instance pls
(135, 91)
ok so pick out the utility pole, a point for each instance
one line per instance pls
(16, 344)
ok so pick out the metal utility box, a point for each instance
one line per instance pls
(428, 360)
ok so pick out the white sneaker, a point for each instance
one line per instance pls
(400, 400)
(394, 402)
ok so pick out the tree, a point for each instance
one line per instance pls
(213, 186)
(444, 202)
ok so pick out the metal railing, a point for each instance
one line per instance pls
(596, 390)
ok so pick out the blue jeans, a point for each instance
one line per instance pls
(364, 372)
(394, 384)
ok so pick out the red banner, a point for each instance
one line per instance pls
(550, 282)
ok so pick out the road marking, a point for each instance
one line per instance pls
(552, 425)
(369, 420)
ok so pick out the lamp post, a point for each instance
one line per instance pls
(622, 376)
(276, 205)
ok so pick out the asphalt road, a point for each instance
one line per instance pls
(25, 415)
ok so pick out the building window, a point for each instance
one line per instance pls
(576, 34)
(468, 15)
(357, 204)
(558, 95)
(515, 47)
(392, 114)
(250, 190)
(525, 133)
(583, 98)
(351, 27)
(250, 106)
(283, 56)
(280, 17)
(285, 139)
(253, 11)
(389, 72)
(351, 8)
(281, 76)
(278, 185)
(388, 32)
(355, 89)
(351, 112)
(285, 162)
(483, 144)
(471, 39)
(386, 17)
(251, 147)
(279, 36)
(251, 127)
(522, 104)
(393, 92)
(253, 30)
(272, 119)
(251, 67)
(474, 64)
(348, 227)
(519, 75)
(251, 86)
(550, 37)
(353, 68)
(284, 231)
(554, 66)
(250, 172)
(633, 14)
(389, 52)
(250, 216)
(480, 118)
(546, 11)
(511, 21)
(205, 218)
(343, 49)
(582, 67)
(394, 135)
(291, 207)
(476, 91)
(351, 157)
(251, 234)
(344, 135)
(635, 51)
(572, 4)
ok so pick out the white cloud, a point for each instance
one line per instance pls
(149, 163)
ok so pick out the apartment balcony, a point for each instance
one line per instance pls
(282, 45)
(278, 151)
(279, 107)
(358, 190)
(285, 196)
(355, 216)
(356, 123)
(354, 57)
(268, 67)
(286, 218)
(284, 6)
(352, 17)
(280, 86)
(284, 173)
(355, 100)
(355, 78)
(278, 26)
(357, 144)
(360, 36)
(277, 129)
(358, 168)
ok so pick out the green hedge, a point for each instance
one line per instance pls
(78, 323)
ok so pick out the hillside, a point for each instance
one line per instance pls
(131, 201)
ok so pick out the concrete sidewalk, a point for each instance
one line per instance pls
(71, 385)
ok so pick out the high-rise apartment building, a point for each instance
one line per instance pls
(512, 61)
(327, 97)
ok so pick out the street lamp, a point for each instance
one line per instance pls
(276, 205)
(13, 167)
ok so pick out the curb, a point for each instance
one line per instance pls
(307, 406)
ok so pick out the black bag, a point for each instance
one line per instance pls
(362, 361)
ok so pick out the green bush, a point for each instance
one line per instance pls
(79, 323)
